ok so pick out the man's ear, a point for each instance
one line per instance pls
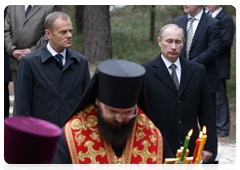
(48, 33)
(96, 101)
(159, 41)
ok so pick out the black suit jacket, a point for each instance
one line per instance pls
(223, 60)
(175, 113)
(205, 46)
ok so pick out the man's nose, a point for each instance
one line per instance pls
(173, 46)
(69, 34)
(119, 119)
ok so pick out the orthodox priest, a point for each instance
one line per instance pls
(110, 124)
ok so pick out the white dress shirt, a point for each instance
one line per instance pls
(53, 52)
(195, 22)
(178, 68)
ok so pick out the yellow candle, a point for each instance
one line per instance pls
(204, 138)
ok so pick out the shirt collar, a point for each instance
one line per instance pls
(215, 13)
(197, 17)
(26, 6)
(53, 52)
(168, 63)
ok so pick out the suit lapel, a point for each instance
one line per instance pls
(201, 26)
(69, 60)
(162, 73)
(34, 9)
(186, 74)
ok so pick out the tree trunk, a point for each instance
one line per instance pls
(97, 33)
(79, 18)
(152, 24)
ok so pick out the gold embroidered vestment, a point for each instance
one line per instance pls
(144, 146)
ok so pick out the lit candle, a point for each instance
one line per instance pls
(204, 138)
(185, 146)
(198, 141)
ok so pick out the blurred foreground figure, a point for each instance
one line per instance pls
(29, 140)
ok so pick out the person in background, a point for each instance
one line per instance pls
(7, 77)
(203, 40)
(29, 143)
(178, 94)
(24, 32)
(223, 63)
(51, 80)
(110, 123)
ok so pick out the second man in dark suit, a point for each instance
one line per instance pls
(223, 63)
(177, 103)
(51, 80)
(203, 40)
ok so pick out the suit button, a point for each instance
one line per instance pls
(179, 121)
(179, 101)
(181, 143)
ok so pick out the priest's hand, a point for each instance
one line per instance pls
(206, 155)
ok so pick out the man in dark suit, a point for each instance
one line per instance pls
(202, 45)
(51, 80)
(223, 63)
(177, 103)
(24, 32)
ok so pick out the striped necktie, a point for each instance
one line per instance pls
(189, 37)
(174, 75)
(28, 10)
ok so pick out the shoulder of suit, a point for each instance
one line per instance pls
(194, 64)
(149, 63)
(77, 55)
(179, 18)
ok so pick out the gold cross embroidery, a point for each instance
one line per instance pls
(91, 153)
(174, 161)
(145, 154)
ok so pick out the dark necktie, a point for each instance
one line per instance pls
(28, 10)
(174, 75)
(189, 37)
(59, 58)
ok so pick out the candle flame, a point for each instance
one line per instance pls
(204, 130)
(190, 133)
(200, 134)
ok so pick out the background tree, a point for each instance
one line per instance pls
(79, 18)
(152, 23)
(97, 33)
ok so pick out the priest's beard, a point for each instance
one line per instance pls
(114, 134)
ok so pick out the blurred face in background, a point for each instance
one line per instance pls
(213, 8)
(193, 10)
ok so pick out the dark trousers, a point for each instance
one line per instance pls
(211, 160)
(6, 99)
(222, 111)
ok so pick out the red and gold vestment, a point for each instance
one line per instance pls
(144, 146)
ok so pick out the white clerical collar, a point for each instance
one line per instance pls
(215, 13)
